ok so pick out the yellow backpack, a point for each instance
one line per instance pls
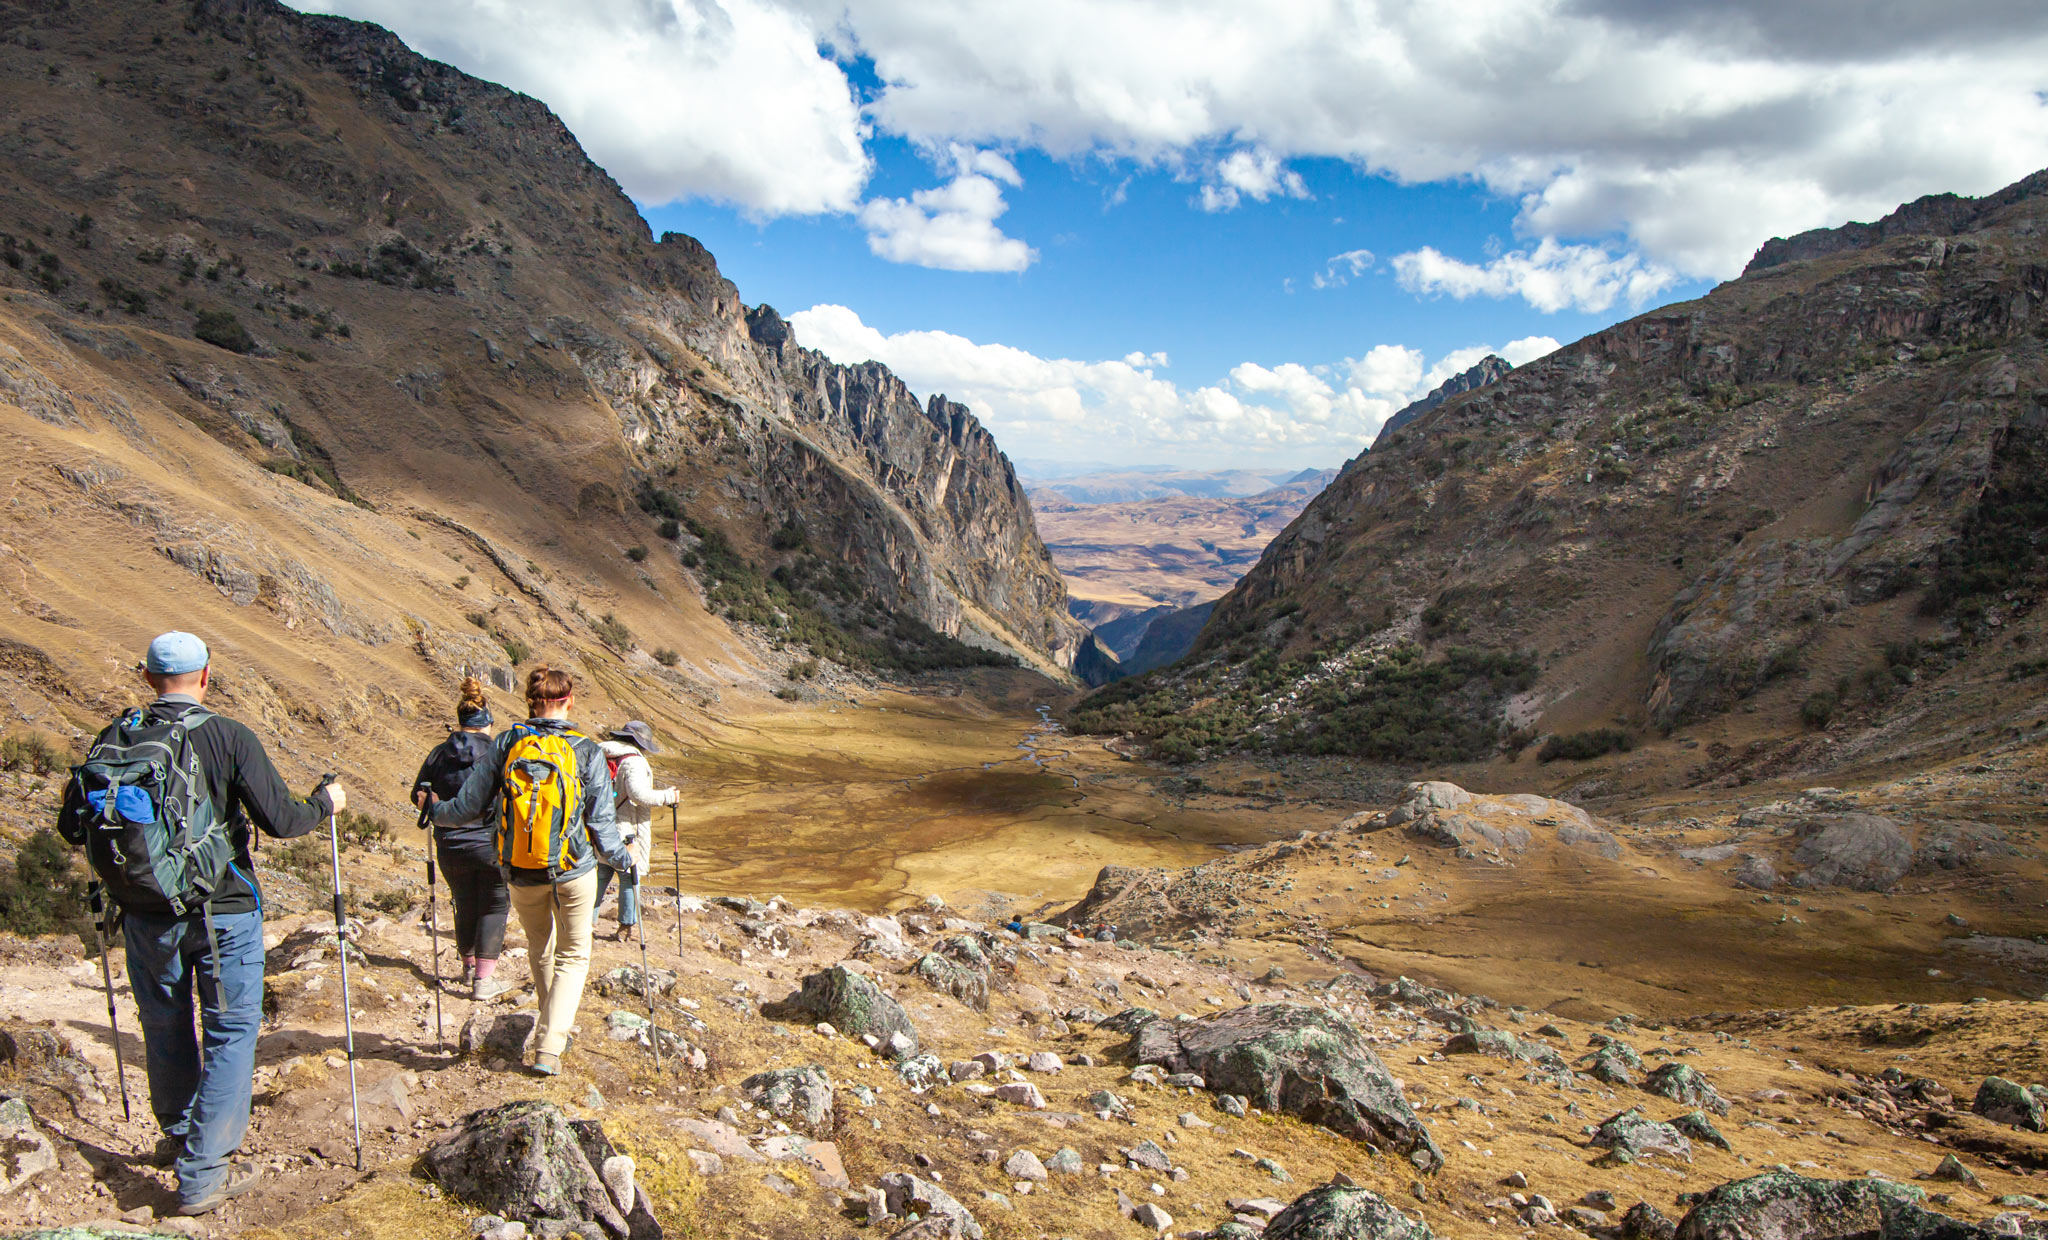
(542, 801)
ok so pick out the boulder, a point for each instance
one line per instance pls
(48, 1068)
(1683, 1083)
(524, 1161)
(1496, 1042)
(1643, 1221)
(25, 1152)
(1755, 871)
(803, 1096)
(1859, 851)
(1638, 1136)
(1782, 1205)
(1305, 1061)
(1615, 1063)
(908, 1196)
(853, 1005)
(958, 967)
(1024, 1165)
(1697, 1127)
(491, 1033)
(1339, 1212)
(2008, 1102)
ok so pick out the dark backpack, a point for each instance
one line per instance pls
(153, 834)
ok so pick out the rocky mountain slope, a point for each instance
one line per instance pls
(1794, 525)
(358, 366)
(1488, 369)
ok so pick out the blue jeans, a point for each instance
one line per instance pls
(629, 893)
(207, 1106)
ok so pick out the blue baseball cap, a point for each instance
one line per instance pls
(175, 653)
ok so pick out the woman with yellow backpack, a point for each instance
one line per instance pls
(555, 821)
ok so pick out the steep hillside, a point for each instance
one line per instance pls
(357, 365)
(1798, 521)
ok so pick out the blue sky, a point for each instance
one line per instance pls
(1214, 233)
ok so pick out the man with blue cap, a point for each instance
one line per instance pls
(193, 916)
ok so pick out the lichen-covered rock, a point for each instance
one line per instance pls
(2008, 1102)
(1643, 1221)
(25, 1152)
(1859, 851)
(801, 1095)
(490, 1033)
(1638, 1136)
(1342, 1212)
(43, 1063)
(949, 976)
(1496, 1042)
(1615, 1063)
(908, 1196)
(1128, 1021)
(1696, 1126)
(1682, 1082)
(1304, 1061)
(1780, 1205)
(852, 1004)
(524, 1161)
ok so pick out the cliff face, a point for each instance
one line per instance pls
(363, 276)
(1815, 494)
(1488, 369)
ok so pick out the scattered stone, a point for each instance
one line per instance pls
(1024, 1165)
(852, 1004)
(922, 1072)
(1783, 1205)
(1232, 1105)
(2008, 1102)
(526, 1161)
(1643, 1221)
(1066, 1161)
(1305, 1061)
(1951, 1170)
(1148, 1155)
(937, 1213)
(491, 1033)
(1698, 1127)
(1638, 1136)
(1188, 1119)
(1043, 1061)
(1149, 1215)
(1683, 1083)
(1859, 851)
(1495, 1042)
(1022, 1093)
(25, 1152)
(1273, 1169)
(1615, 1062)
(1340, 1213)
(801, 1095)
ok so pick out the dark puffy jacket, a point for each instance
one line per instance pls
(443, 774)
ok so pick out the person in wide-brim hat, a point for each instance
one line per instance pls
(634, 797)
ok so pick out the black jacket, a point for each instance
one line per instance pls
(443, 773)
(244, 786)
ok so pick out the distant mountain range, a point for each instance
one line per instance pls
(1127, 484)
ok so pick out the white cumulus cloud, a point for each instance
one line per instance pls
(952, 227)
(1040, 406)
(722, 99)
(1250, 173)
(1550, 277)
(1340, 268)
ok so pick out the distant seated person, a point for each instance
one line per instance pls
(1015, 925)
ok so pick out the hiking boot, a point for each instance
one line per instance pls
(167, 1150)
(488, 989)
(624, 934)
(547, 1063)
(237, 1180)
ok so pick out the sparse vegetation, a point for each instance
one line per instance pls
(33, 753)
(613, 632)
(45, 892)
(637, 554)
(222, 329)
(1819, 708)
(1580, 746)
(516, 651)
(667, 657)
(398, 263)
(1398, 706)
(803, 669)
(362, 830)
(1999, 560)
(391, 901)
(671, 529)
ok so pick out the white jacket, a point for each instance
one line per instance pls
(634, 797)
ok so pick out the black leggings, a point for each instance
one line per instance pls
(481, 898)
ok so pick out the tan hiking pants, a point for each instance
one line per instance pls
(557, 923)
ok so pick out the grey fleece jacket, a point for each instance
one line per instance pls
(600, 836)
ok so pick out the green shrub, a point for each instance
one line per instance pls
(33, 752)
(667, 657)
(391, 901)
(516, 651)
(46, 890)
(803, 669)
(462, 582)
(788, 694)
(637, 554)
(613, 632)
(222, 329)
(671, 529)
(1999, 558)
(361, 830)
(789, 536)
(1819, 709)
(306, 859)
(1579, 746)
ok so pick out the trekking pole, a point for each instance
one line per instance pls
(99, 933)
(434, 925)
(647, 992)
(348, 1022)
(675, 844)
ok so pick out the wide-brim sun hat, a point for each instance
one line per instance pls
(637, 734)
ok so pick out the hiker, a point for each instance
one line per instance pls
(625, 755)
(468, 851)
(554, 820)
(192, 919)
